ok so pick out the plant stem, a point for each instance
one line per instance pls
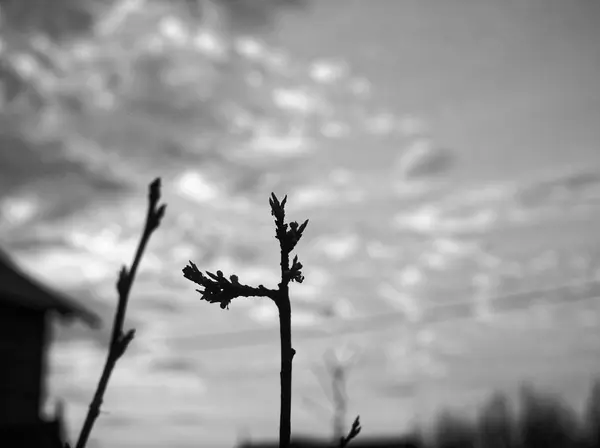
(120, 341)
(217, 289)
(287, 355)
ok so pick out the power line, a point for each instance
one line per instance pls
(436, 314)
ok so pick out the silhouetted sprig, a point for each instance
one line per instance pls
(120, 340)
(222, 290)
(354, 431)
(294, 274)
(218, 289)
(288, 238)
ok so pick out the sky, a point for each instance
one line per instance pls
(446, 154)
(508, 84)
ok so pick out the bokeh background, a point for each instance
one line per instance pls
(446, 153)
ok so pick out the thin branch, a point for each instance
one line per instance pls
(218, 289)
(354, 431)
(119, 340)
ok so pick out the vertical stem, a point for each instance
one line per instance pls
(94, 408)
(287, 354)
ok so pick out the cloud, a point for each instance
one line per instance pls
(328, 72)
(197, 187)
(65, 267)
(558, 187)
(19, 210)
(338, 247)
(311, 291)
(313, 196)
(264, 312)
(55, 185)
(423, 159)
(297, 100)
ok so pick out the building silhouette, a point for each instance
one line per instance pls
(26, 307)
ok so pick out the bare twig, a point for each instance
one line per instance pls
(354, 431)
(335, 391)
(120, 340)
(219, 289)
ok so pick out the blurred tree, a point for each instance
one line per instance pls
(454, 431)
(592, 416)
(496, 423)
(545, 421)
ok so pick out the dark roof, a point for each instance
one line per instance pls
(19, 289)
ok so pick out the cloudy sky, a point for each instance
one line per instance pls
(447, 154)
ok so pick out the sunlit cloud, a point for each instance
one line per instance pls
(296, 100)
(338, 247)
(26, 65)
(326, 72)
(174, 30)
(312, 196)
(442, 253)
(269, 140)
(209, 44)
(424, 219)
(105, 243)
(432, 219)
(479, 221)
(264, 312)
(250, 48)
(18, 210)
(183, 252)
(66, 268)
(197, 187)
(256, 275)
(305, 318)
(410, 276)
(312, 288)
